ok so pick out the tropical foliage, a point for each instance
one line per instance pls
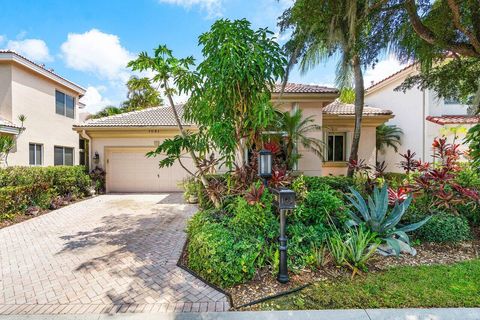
(298, 130)
(388, 136)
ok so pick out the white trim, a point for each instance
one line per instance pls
(12, 56)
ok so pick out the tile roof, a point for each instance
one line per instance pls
(346, 109)
(303, 88)
(390, 76)
(5, 123)
(151, 117)
(454, 119)
(42, 67)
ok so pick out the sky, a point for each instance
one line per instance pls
(90, 42)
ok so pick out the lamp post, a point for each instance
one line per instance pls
(265, 165)
(285, 201)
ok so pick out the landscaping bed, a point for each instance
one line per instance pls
(341, 230)
(265, 286)
(26, 192)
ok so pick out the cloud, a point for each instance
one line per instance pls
(212, 7)
(98, 53)
(2, 39)
(93, 99)
(382, 70)
(34, 49)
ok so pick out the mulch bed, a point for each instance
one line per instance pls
(20, 217)
(265, 285)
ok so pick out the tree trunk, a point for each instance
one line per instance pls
(196, 162)
(359, 101)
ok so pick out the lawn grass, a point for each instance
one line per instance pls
(455, 285)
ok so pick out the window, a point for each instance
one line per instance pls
(35, 154)
(64, 104)
(83, 152)
(63, 156)
(336, 147)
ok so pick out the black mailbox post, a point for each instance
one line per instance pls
(284, 201)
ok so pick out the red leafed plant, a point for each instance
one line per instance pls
(397, 196)
(359, 165)
(273, 147)
(409, 164)
(254, 195)
(280, 178)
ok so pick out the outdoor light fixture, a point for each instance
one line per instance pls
(96, 157)
(284, 201)
(265, 165)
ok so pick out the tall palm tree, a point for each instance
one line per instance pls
(106, 112)
(345, 28)
(296, 129)
(388, 136)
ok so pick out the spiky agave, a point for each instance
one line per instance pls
(376, 216)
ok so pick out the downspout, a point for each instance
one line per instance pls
(84, 135)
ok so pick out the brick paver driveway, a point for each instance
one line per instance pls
(112, 253)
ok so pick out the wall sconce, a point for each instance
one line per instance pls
(96, 157)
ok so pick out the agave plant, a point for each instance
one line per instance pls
(376, 216)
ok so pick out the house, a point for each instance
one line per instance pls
(51, 106)
(118, 143)
(421, 114)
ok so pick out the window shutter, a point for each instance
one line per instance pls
(348, 144)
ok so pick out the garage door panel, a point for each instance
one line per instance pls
(129, 170)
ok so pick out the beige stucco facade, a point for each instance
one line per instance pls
(120, 151)
(28, 89)
(411, 108)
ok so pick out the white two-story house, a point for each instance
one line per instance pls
(422, 116)
(51, 106)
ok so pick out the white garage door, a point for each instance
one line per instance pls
(129, 170)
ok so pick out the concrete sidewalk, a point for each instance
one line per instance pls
(369, 314)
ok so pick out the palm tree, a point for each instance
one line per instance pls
(106, 112)
(346, 28)
(141, 95)
(388, 136)
(296, 129)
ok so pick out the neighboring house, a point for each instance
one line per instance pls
(420, 114)
(119, 143)
(50, 104)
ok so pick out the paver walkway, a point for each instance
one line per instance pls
(109, 254)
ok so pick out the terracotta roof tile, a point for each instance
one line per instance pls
(151, 117)
(303, 88)
(454, 119)
(346, 109)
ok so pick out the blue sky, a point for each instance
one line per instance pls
(89, 42)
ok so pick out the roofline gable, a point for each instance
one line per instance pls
(11, 56)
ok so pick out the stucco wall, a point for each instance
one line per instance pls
(6, 91)
(409, 114)
(100, 144)
(34, 97)
(366, 150)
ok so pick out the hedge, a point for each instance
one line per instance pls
(22, 187)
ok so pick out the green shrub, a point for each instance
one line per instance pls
(302, 239)
(21, 187)
(444, 227)
(395, 179)
(340, 183)
(221, 258)
(255, 220)
(320, 206)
